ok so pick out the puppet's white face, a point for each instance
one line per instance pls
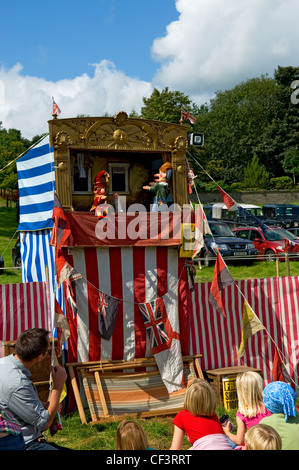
(160, 177)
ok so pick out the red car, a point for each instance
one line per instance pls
(269, 243)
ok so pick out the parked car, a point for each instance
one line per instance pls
(286, 215)
(286, 234)
(294, 231)
(235, 217)
(1, 264)
(230, 245)
(269, 243)
(16, 254)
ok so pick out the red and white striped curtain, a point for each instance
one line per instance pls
(275, 301)
(133, 275)
(23, 306)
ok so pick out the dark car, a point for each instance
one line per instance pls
(286, 215)
(230, 245)
(269, 243)
(1, 265)
(16, 254)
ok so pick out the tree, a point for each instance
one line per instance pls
(12, 144)
(282, 131)
(235, 122)
(165, 105)
(291, 162)
(255, 175)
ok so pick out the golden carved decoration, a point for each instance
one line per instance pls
(62, 139)
(181, 144)
(62, 166)
(121, 118)
(94, 135)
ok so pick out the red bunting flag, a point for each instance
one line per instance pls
(221, 279)
(279, 372)
(60, 233)
(229, 202)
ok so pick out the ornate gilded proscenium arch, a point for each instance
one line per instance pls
(101, 138)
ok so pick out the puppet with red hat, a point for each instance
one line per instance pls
(160, 188)
(100, 197)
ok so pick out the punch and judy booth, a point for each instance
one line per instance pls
(126, 285)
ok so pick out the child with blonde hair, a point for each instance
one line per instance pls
(262, 437)
(198, 420)
(251, 408)
(130, 435)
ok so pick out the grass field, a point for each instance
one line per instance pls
(102, 436)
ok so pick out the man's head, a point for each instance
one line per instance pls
(32, 343)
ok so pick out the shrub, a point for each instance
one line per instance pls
(283, 182)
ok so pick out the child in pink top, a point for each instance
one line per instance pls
(251, 410)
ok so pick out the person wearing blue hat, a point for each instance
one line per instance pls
(280, 399)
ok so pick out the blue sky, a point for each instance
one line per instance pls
(59, 39)
(105, 56)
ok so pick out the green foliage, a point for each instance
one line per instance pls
(12, 144)
(165, 105)
(235, 122)
(255, 175)
(291, 162)
(282, 182)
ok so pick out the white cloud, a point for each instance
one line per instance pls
(26, 102)
(213, 45)
(216, 44)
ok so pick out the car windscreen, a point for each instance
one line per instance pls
(272, 236)
(286, 234)
(221, 230)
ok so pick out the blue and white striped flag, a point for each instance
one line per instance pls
(36, 180)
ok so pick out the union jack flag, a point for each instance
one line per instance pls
(186, 116)
(103, 304)
(107, 313)
(55, 108)
(155, 321)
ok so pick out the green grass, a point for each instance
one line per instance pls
(258, 270)
(102, 436)
(8, 236)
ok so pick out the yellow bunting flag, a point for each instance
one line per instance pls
(251, 324)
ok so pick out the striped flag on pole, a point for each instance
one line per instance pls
(36, 181)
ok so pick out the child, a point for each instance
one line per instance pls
(251, 408)
(198, 420)
(262, 437)
(130, 435)
(280, 399)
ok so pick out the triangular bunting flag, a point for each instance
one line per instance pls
(201, 229)
(221, 279)
(229, 202)
(61, 323)
(279, 372)
(251, 325)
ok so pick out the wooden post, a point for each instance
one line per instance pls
(277, 267)
(101, 393)
(77, 395)
(287, 261)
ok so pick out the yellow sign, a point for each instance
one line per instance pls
(187, 240)
(230, 396)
